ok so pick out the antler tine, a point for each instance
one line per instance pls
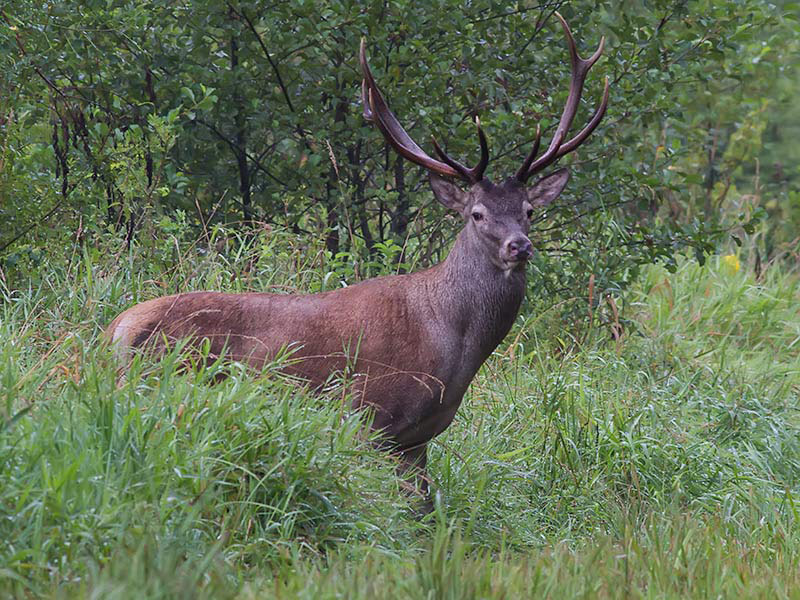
(598, 115)
(580, 68)
(523, 170)
(475, 174)
(377, 111)
(484, 161)
(368, 116)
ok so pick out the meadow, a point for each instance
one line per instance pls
(662, 463)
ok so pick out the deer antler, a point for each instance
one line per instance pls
(557, 149)
(377, 111)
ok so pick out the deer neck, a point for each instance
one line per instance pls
(482, 301)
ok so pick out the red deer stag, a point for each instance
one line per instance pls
(418, 339)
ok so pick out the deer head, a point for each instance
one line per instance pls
(496, 216)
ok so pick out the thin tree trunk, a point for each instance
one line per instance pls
(400, 217)
(240, 121)
(333, 240)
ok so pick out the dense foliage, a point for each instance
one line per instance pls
(139, 118)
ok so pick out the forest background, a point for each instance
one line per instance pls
(143, 118)
(150, 147)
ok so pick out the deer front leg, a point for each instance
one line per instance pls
(412, 469)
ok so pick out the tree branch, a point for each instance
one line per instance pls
(261, 43)
(237, 149)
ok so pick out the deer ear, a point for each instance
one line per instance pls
(548, 188)
(448, 193)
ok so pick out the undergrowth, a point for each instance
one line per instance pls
(662, 463)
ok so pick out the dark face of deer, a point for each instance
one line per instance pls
(498, 217)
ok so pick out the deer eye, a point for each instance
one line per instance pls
(477, 216)
(529, 212)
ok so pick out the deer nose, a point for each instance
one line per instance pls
(519, 248)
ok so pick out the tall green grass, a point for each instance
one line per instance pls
(663, 464)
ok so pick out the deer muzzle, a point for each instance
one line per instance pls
(517, 248)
